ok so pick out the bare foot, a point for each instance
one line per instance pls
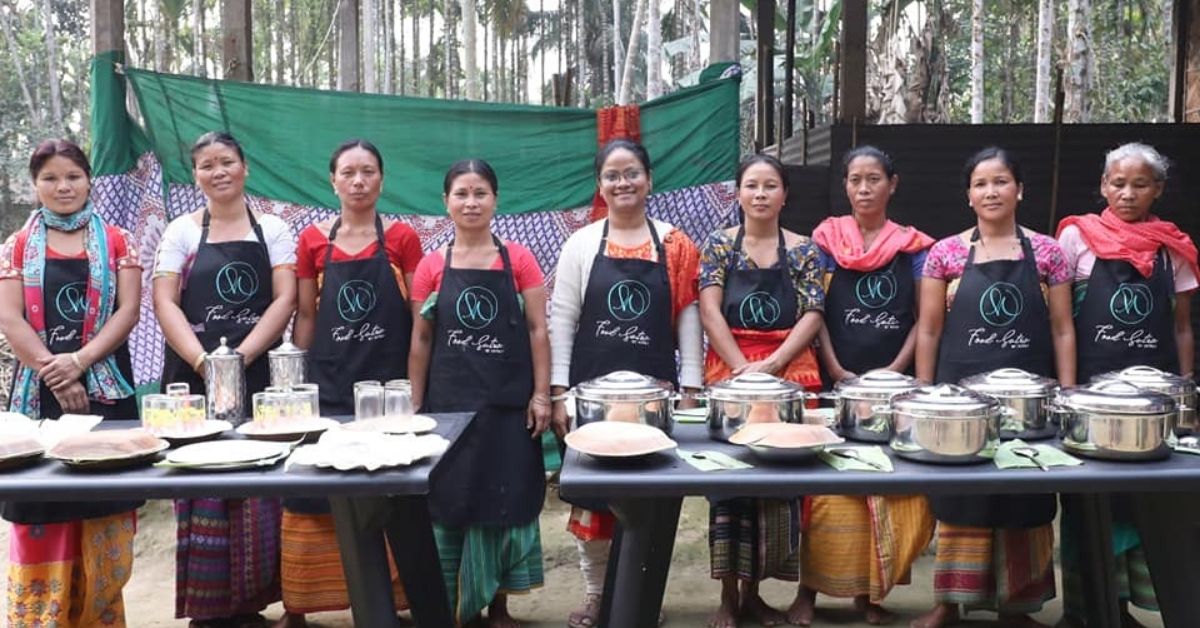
(291, 620)
(800, 613)
(1020, 621)
(941, 615)
(498, 616)
(723, 618)
(587, 615)
(757, 609)
(875, 614)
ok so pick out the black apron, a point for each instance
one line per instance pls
(869, 314)
(1126, 319)
(363, 330)
(999, 319)
(64, 295)
(228, 290)
(625, 323)
(482, 362)
(760, 298)
(364, 326)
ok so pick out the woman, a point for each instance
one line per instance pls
(997, 295)
(854, 546)
(357, 254)
(760, 303)
(224, 271)
(1134, 277)
(480, 345)
(661, 263)
(70, 289)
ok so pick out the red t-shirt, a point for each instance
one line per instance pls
(12, 253)
(526, 272)
(403, 248)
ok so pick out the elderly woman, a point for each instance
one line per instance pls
(760, 302)
(995, 280)
(228, 552)
(662, 262)
(486, 505)
(1147, 267)
(70, 287)
(854, 546)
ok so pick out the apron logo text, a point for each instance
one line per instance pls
(369, 332)
(244, 316)
(875, 290)
(476, 307)
(71, 301)
(355, 300)
(628, 300)
(1131, 303)
(62, 333)
(1001, 304)
(1011, 339)
(632, 335)
(1136, 339)
(484, 344)
(759, 309)
(237, 282)
(879, 320)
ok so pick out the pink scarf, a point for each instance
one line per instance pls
(839, 236)
(1109, 237)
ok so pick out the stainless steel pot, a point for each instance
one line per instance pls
(1025, 394)
(1182, 389)
(857, 408)
(288, 364)
(946, 424)
(225, 384)
(752, 398)
(1116, 420)
(625, 396)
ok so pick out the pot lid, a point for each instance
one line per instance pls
(623, 386)
(286, 350)
(755, 387)
(945, 401)
(877, 384)
(1152, 379)
(224, 352)
(1114, 395)
(1010, 382)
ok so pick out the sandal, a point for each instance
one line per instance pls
(586, 616)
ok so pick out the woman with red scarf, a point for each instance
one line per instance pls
(1134, 275)
(861, 546)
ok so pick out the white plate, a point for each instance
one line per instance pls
(210, 429)
(413, 424)
(287, 432)
(350, 451)
(227, 452)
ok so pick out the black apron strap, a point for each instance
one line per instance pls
(337, 224)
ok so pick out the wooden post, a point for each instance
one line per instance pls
(348, 46)
(1185, 62)
(236, 39)
(723, 18)
(789, 71)
(853, 87)
(108, 25)
(766, 74)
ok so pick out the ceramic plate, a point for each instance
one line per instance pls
(210, 429)
(289, 432)
(413, 424)
(353, 451)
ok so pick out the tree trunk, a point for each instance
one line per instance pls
(977, 64)
(402, 55)
(1077, 107)
(654, 52)
(431, 68)
(486, 42)
(635, 33)
(1045, 52)
(278, 31)
(618, 66)
(56, 108)
(370, 23)
(580, 36)
(469, 31)
(1006, 74)
(198, 63)
(389, 48)
(416, 48)
(9, 38)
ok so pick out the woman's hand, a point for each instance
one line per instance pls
(73, 398)
(559, 421)
(59, 370)
(538, 416)
(688, 400)
(769, 366)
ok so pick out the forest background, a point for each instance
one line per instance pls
(929, 61)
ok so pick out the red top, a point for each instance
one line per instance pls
(12, 253)
(401, 241)
(526, 272)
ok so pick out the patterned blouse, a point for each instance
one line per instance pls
(717, 257)
(948, 257)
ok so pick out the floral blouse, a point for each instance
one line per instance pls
(717, 258)
(948, 258)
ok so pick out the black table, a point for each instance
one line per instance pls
(367, 507)
(1164, 499)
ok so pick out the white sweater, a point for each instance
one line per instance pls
(570, 284)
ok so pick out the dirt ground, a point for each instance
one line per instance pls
(691, 594)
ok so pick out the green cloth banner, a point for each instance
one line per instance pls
(542, 155)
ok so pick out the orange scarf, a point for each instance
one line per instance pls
(839, 236)
(1109, 237)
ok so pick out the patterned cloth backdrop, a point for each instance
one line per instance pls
(134, 200)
